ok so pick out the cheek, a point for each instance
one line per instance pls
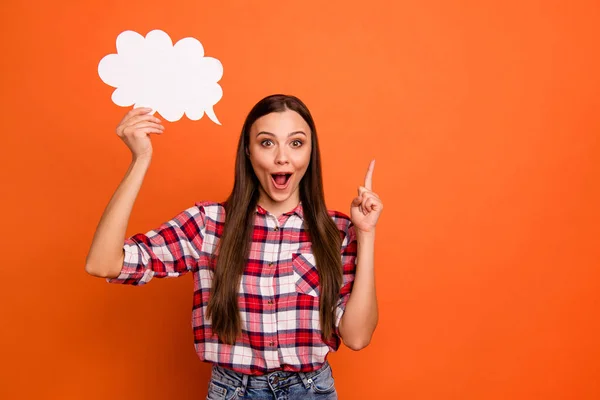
(256, 168)
(301, 162)
(305, 160)
(258, 163)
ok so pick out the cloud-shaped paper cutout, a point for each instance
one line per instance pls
(171, 79)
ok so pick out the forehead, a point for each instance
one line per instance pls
(280, 123)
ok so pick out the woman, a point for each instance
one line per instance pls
(279, 281)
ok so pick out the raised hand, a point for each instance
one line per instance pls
(367, 206)
(135, 130)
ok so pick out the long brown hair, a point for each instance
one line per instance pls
(240, 210)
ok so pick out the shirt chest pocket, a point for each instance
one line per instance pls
(305, 274)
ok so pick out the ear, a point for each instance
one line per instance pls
(247, 152)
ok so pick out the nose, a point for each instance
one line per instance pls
(281, 157)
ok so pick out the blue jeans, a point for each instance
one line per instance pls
(279, 385)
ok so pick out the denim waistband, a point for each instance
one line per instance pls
(272, 379)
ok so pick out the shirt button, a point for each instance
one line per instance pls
(270, 301)
(276, 228)
(271, 343)
(271, 264)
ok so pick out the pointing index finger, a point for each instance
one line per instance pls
(369, 177)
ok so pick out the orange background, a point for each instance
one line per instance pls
(483, 118)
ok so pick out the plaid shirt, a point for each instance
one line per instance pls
(278, 294)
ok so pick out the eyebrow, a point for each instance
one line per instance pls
(272, 134)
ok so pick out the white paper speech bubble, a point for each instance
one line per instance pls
(173, 80)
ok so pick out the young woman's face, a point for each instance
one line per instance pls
(279, 150)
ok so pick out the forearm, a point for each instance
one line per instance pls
(361, 315)
(105, 258)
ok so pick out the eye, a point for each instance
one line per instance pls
(266, 143)
(297, 143)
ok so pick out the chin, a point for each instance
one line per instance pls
(279, 197)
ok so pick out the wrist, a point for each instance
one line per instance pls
(365, 235)
(141, 159)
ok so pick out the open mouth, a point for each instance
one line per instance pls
(281, 180)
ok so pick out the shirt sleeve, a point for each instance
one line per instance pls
(168, 251)
(349, 247)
